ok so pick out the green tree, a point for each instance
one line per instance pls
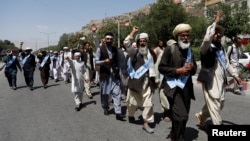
(199, 26)
(63, 41)
(235, 20)
(162, 19)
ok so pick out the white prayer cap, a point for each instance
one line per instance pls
(55, 52)
(82, 38)
(109, 35)
(181, 28)
(134, 45)
(65, 47)
(77, 54)
(171, 42)
(8, 52)
(142, 36)
(27, 48)
(51, 51)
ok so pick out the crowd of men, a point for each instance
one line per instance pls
(133, 72)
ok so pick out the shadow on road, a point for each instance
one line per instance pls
(191, 134)
(95, 93)
(21, 87)
(89, 102)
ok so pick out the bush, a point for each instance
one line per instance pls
(196, 52)
(247, 48)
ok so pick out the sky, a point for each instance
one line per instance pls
(38, 23)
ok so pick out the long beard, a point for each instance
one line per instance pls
(183, 45)
(108, 43)
(217, 44)
(143, 50)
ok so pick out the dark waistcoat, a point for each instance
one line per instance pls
(105, 70)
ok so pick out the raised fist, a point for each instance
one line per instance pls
(93, 27)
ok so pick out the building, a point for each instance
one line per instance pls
(244, 3)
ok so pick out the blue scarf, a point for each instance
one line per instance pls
(182, 80)
(44, 60)
(221, 57)
(140, 71)
(13, 58)
(25, 59)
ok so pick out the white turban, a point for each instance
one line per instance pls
(28, 48)
(134, 45)
(142, 36)
(181, 28)
(8, 52)
(77, 54)
(65, 47)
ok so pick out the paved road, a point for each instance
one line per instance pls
(49, 115)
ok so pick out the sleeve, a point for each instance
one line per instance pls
(157, 78)
(165, 64)
(232, 70)
(193, 71)
(85, 72)
(128, 44)
(229, 51)
(128, 41)
(95, 40)
(33, 61)
(98, 57)
(70, 62)
(18, 64)
(208, 38)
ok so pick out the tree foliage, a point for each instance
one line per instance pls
(235, 20)
(6, 44)
(161, 21)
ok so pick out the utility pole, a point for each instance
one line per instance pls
(46, 33)
(35, 39)
(118, 39)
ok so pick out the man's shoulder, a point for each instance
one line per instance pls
(232, 46)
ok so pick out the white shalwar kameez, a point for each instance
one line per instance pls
(214, 93)
(65, 68)
(78, 71)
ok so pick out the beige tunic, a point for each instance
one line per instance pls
(218, 88)
(214, 93)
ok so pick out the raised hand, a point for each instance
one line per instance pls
(21, 44)
(93, 28)
(135, 28)
(218, 16)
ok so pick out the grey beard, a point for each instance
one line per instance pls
(143, 50)
(183, 45)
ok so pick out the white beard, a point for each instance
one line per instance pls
(183, 45)
(143, 50)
